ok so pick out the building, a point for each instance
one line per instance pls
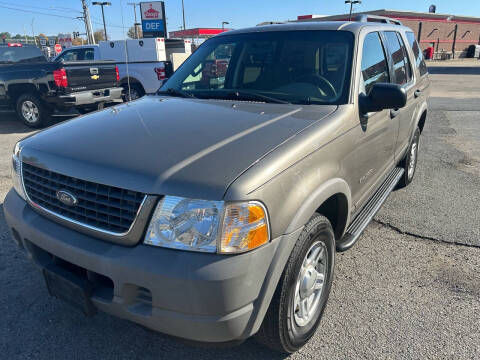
(448, 34)
(197, 33)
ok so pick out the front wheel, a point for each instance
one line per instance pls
(302, 293)
(32, 111)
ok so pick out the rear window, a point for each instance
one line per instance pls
(400, 66)
(419, 61)
(20, 54)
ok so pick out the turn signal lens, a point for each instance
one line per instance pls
(245, 227)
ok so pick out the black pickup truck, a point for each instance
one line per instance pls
(35, 87)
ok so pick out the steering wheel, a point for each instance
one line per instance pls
(324, 86)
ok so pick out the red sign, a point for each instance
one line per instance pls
(58, 48)
(151, 13)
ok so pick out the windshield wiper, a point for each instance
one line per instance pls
(176, 92)
(255, 96)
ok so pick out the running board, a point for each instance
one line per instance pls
(370, 209)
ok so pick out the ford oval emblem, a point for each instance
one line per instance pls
(67, 198)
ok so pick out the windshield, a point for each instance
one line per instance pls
(299, 67)
(15, 54)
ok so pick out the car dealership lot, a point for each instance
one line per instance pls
(410, 287)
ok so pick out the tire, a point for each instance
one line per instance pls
(409, 163)
(284, 329)
(32, 111)
(136, 92)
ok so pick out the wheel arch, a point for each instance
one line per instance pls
(333, 200)
(420, 123)
(131, 80)
(14, 91)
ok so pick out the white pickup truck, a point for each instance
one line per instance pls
(143, 64)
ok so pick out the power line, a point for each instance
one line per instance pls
(56, 8)
(36, 12)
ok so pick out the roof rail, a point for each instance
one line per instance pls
(376, 18)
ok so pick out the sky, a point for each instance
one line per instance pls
(58, 16)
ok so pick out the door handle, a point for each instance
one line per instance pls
(417, 93)
(394, 112)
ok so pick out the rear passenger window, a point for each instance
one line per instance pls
(400, 66)
(374, 62)
(419, 61)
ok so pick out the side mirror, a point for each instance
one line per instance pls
(383, 96)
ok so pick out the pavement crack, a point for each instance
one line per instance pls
(423, 237)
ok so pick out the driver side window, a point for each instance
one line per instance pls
(374, 62)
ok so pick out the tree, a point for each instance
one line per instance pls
(99, 35)
(77, 41)
(131, 32)
(5, 35)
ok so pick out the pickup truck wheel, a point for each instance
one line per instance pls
(409, 163)
(32, 111)
(136, 92)
(302, 292)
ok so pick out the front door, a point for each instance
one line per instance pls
(374, 148)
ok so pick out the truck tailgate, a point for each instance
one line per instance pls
(90, 75)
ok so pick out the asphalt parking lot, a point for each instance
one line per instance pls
(409, 289)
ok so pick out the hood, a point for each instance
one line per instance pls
(165, 145)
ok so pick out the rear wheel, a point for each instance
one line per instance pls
(302, 293)
(32, 111)
(136, 92)
(409, 163)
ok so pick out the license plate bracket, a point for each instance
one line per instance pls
(69, 287)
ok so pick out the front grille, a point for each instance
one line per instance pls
(106, 208)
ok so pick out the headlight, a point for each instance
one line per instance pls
(208, 226)
(17, 171)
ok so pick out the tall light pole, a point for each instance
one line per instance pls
(352, 2)
(102, 4)
(183, 13)
(135, 24)
(33, 32)
(224, 23)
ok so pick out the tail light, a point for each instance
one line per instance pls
(160, 72)
(14, 45)
(118, 74)
(60, 78)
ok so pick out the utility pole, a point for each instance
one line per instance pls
(25, 32)
(135, 13)
(183, 13)
(88, 23)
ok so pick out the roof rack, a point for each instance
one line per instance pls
(376, 18)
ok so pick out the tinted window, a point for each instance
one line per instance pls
(399, 65)
(419, 61)
(304, 67)
(20, 54)
(408, 65)
(77, 55)
(374, 62)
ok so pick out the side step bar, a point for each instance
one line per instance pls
(370, 209)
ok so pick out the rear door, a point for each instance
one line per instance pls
(374, 149)
(402, 74)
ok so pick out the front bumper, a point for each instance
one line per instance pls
(196, 296)
(89, 97)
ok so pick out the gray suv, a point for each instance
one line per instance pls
(213, 210)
